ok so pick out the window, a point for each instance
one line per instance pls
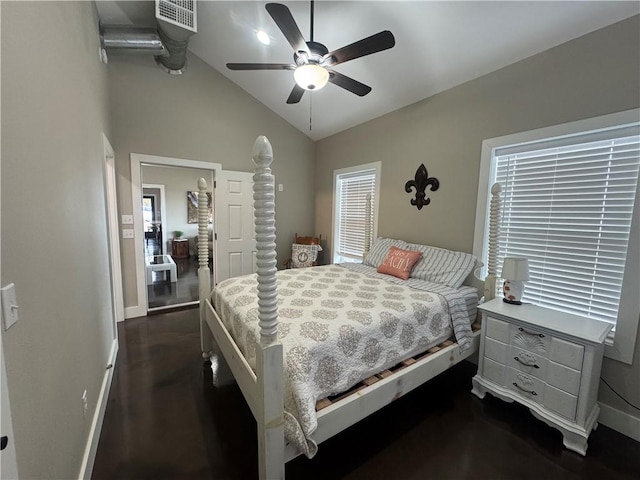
(568, 206)
(351, 187)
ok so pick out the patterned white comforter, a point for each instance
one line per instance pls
(338, 326)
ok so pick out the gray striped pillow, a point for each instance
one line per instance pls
(442, 266)
(379, 250)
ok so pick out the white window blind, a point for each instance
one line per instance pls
(567, 206)
(351, 200)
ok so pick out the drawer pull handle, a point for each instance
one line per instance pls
(526, 364)
(541, 335)
(526, 391)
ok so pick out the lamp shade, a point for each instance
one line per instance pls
(515, 268)
(515, 271)
(311, 76)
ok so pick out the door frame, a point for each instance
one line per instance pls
(113, 230)
(137, 160)
(163, 213)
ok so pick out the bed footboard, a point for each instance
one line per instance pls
(351, 408)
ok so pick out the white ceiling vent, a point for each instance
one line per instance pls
(178, 12)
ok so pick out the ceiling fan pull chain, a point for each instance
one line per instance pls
(310, 109)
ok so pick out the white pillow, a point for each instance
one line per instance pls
(439, 265)
(380, 249)
(303, 255)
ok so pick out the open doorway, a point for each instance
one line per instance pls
(138, 161)
(170, 234)
(152, 227)
(154, 213)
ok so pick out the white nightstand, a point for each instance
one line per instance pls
(546, 360)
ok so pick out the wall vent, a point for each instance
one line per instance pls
(178, 12)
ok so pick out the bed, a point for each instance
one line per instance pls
(314, 350)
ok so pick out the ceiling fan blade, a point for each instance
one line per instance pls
(349, 83)
(283, 18)
(373, 44)
(260, 66)
(296, 94)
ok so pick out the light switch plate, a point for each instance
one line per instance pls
(127, 233)
(9, 305)
(127, 219)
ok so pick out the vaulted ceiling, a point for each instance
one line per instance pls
(438, 45)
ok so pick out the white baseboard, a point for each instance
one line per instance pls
(620, 421)
(134, 312)
(96, 425)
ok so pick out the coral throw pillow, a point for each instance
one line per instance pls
(399, 262)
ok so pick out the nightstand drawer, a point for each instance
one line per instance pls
(564, 378)
(528, 362)
(526, 385)
(495, 350)
(494, 371)
(498, 329)
(560, 402)
(566, 353)
(529, 338)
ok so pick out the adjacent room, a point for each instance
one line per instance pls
(443, 278)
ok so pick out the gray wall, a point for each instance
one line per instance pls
(594, 75)
(202, 116)
(54, 234)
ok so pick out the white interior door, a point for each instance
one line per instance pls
(235, 244)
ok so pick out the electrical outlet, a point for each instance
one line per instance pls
(127, 233)
(127, 219)
(85, 405)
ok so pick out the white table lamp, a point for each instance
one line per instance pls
(515, 271)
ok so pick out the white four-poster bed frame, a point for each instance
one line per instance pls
(263, 390)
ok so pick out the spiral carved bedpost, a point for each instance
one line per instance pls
(269, 364)
(494, 244)
(367, 226)
(204, 275)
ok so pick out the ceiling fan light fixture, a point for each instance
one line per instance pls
(311, 76)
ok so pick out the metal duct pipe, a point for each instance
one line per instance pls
(131, 39)
(176, 41)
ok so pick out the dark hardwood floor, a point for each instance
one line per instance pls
(164, 293)
(170, 418)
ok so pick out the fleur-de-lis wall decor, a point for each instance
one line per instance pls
(421, 182)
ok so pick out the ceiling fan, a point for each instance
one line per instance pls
(313, 61)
